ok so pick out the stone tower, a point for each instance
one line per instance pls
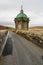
(21, 21)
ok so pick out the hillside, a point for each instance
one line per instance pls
(36, 28)
(6, 28)
(2, 27)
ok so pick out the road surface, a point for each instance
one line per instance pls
(8, 48)
(24, 52)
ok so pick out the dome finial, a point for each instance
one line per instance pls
(21, 6)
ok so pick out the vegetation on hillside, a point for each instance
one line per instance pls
(35, 35)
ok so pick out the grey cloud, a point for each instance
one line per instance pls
(13, 6)
(36, 5)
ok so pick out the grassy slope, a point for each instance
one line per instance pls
(36, 28)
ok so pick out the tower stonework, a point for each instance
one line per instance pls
(21, 22)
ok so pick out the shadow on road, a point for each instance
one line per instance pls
(8, 48)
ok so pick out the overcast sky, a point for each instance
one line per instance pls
(10, 8)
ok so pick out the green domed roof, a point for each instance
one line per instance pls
(21, 14)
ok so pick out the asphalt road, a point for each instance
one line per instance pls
(23, 52)
(8, 48)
